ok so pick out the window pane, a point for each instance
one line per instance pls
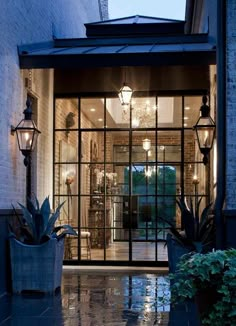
(192, 106)
(117, 116)
(92, 146)
(117, 146)
(92, 113)
(169, 112)
(143, 112)
(66, 114)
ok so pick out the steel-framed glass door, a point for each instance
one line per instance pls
(120, 170)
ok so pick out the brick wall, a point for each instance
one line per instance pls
(231, 106)
(25, 22)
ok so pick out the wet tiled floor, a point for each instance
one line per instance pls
(91, 298)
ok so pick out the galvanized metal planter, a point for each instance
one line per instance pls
(36, 267)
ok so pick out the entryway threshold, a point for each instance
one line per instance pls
(135, 269)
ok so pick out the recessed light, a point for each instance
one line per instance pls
(187, 108)
(92, 110)
(186, 118)
(185, 124)
(100, 119)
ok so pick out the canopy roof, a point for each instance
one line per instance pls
(131, 41)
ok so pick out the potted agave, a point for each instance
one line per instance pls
(197, 235)
(37, 248)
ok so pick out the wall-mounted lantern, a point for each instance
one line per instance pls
(205, 130)
(27, 134)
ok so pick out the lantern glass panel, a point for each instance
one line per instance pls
(205, 136)
(27, 135)
(146, 144)
(125, 95)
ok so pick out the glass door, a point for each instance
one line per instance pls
(120, 170)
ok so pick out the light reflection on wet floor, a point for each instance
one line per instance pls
(97, 299)
(117, 299)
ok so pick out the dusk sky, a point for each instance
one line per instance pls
(173, 9)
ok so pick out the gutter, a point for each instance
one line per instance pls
(221, 122)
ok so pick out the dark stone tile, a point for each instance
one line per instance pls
(33, 321)
(99, 300)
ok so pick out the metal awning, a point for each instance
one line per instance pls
(128, 41)
(119, 51)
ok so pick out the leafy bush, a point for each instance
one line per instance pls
(37, 225)
(214, 270)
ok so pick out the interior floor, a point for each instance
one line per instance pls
(119, 251)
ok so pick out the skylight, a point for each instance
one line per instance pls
(153, 8)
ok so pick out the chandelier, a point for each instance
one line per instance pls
(141, 116)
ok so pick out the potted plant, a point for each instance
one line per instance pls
(209, 279)
(37, 247)
(198, 233)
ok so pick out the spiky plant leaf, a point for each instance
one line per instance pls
(205, 212)
(198, 210)
(37, 224)
(67, 229)
(189, 223)
(45, 212)
(199, 230)
(29, 220)
(36, 203)
(191, 206)
(53, 219)
(31, 207)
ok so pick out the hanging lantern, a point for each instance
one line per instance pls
(125, 95)
(146, 144)
(205, 130)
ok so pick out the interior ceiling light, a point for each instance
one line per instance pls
(146, 144)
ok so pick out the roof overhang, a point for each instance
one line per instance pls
(123, 51)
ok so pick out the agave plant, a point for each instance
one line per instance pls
(198, 232)
(37, 225)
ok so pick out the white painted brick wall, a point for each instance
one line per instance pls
(23, 22)
(231, 106)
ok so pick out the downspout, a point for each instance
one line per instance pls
(100, 9)
(221, 121)
(189, 16)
